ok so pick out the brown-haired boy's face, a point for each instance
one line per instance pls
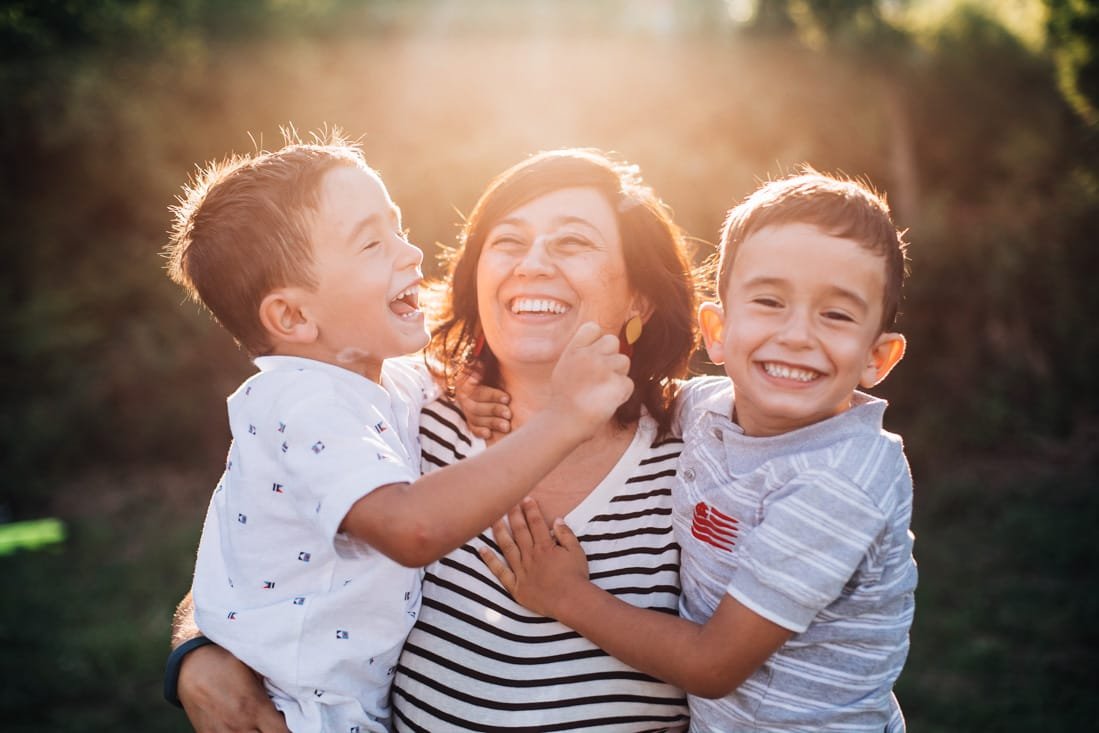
(801, 327)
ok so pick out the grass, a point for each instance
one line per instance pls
(1004, 637)
(84, 626)
(1003, 640)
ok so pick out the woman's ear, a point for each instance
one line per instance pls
(640, 306)
(285, 319)
(711, 321)
(884, 355)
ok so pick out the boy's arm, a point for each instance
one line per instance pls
(550, 577)
(420, 522)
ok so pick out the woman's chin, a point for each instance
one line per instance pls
(529, 355)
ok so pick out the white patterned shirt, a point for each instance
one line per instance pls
(809, 529)
(321, 616)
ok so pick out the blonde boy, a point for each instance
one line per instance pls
(308, 567)
(792, 504)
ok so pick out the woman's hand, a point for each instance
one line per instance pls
(541, 567)
(220, 694)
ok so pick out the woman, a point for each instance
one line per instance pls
(561, 238)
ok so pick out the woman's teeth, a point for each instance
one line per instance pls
(537, 305)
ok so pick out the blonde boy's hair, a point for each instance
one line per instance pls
(242, 229)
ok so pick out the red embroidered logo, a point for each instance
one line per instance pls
(714, 527)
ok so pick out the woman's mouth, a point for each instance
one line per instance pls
(539, 306)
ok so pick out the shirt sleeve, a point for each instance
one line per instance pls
(815, 533)
(415, 381)
(337, 456)
(695, 396)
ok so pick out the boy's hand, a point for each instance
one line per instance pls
(485, 408)
(591, 378)
(541, 567)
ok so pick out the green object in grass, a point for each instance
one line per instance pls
(30, 535)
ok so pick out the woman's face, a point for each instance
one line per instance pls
(546, 267)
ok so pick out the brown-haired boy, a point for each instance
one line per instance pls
(792, 504)
(308, 567)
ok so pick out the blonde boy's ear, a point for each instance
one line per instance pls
(711, 321)
(285, 320)
(887, 351)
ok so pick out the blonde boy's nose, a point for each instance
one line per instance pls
(411, 253)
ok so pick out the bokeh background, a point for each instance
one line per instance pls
(979, 118)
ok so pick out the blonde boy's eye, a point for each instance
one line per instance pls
(839, 316)
(767, 302)
(371, 245)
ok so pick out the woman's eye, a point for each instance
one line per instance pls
(506, 243)
(371, 245)
(573, 242)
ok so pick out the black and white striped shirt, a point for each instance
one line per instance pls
(478, 661)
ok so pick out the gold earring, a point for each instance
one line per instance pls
(633, 329)
(631, 332)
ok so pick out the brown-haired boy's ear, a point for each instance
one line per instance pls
(886, 352)
(711, 321)
(284, 319)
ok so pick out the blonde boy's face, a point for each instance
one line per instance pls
(365, 307)
(800, 328)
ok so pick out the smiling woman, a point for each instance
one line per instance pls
(532, 315)
(563, 237)
(585, 234)
(560, 239)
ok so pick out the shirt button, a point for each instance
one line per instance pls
(689, 474)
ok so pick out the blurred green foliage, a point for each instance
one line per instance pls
(987, 143)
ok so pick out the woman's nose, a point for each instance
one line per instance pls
(535, 260)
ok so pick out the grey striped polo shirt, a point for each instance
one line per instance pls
(809, 529)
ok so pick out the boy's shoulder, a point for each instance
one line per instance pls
(858, 448)
(699, 395)
(287, 384)
(409, 379)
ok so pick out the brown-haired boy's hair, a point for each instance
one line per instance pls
(242, 229)
(840, 207)
(657, 267)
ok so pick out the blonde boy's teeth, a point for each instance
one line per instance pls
(409, 295)
(787, 372)
(537, 305)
